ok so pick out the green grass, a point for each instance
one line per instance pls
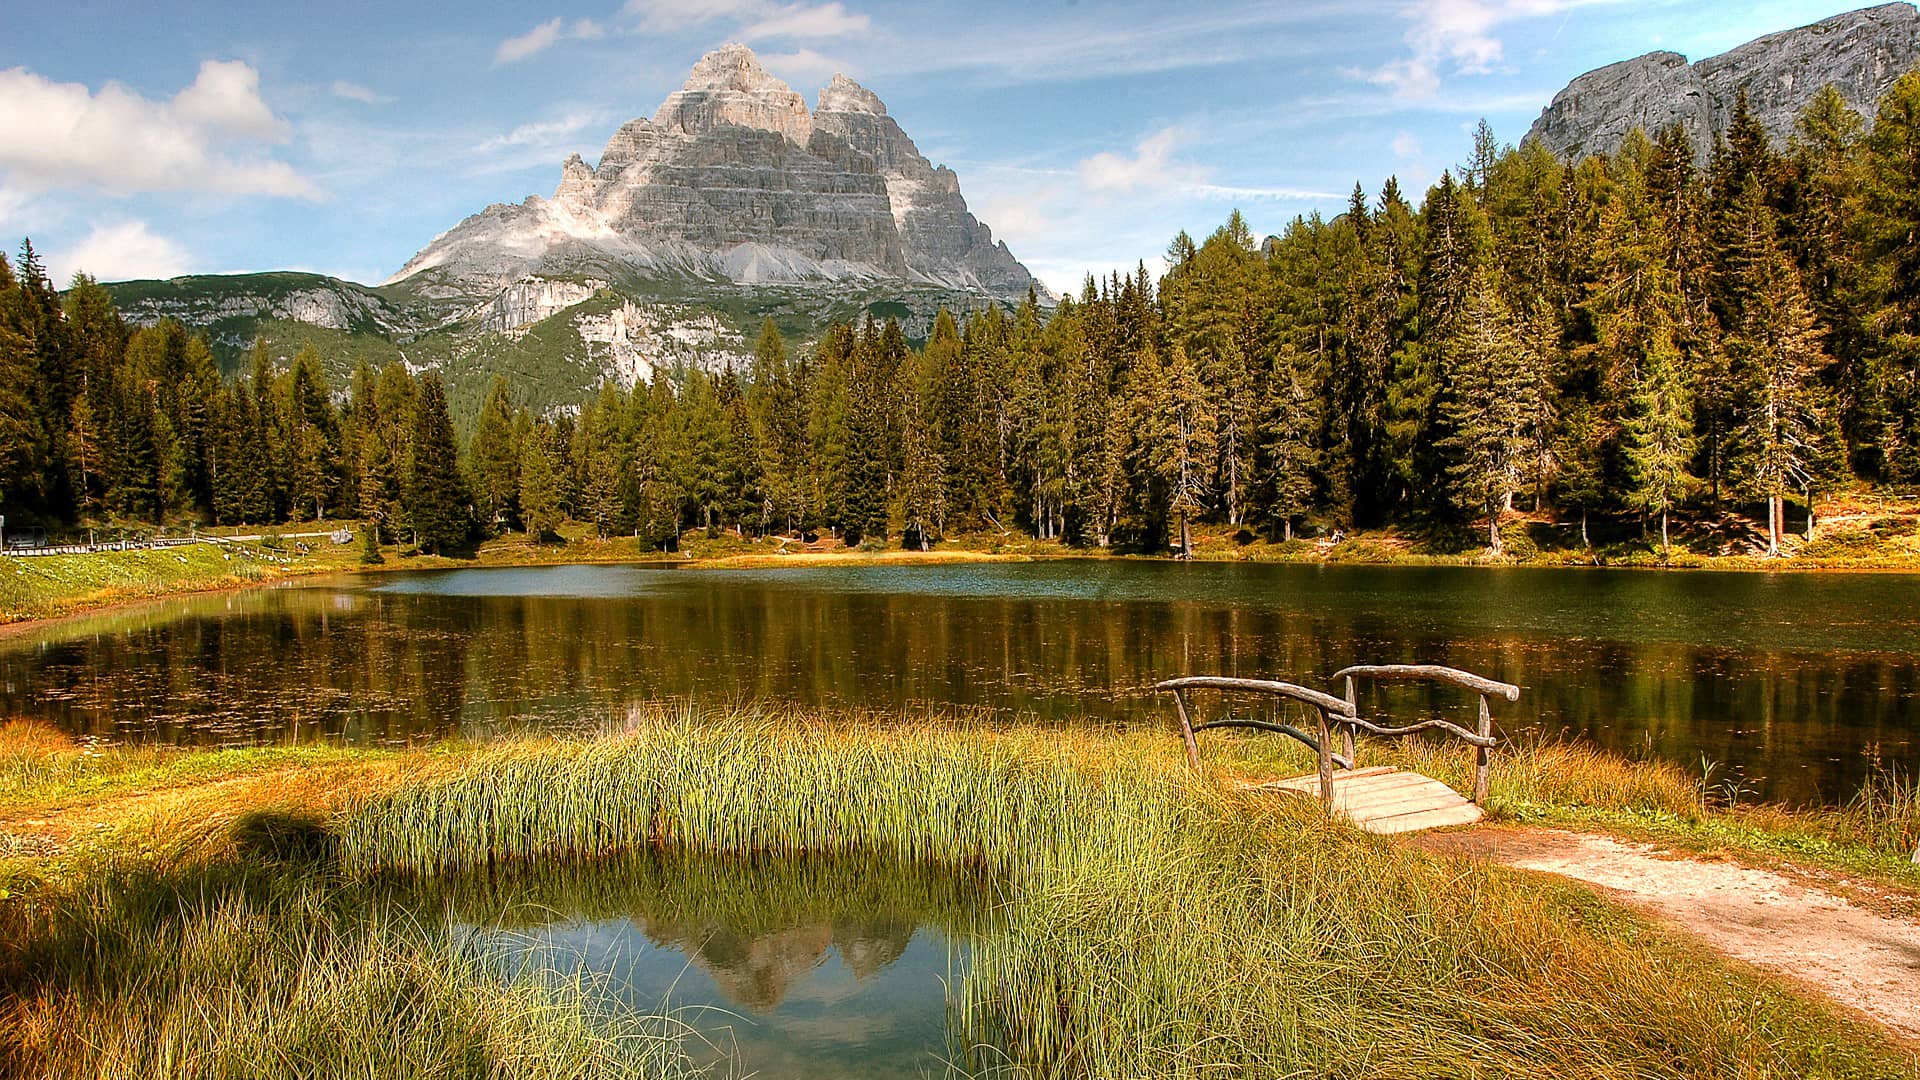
(47, 586)
(276, 971)
(1146, 920)
(1156, 927)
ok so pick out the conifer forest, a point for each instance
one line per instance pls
(1630, 338)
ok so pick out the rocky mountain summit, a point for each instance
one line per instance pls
(735, 180)
(1860, 53)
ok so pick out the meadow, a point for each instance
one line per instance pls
(1148, 920)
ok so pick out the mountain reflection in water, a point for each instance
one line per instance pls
(781, 967)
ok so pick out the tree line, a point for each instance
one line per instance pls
(1629, 335)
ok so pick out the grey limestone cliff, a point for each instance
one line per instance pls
(733, 179)
(1860, 53)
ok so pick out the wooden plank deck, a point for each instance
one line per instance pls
(1385, 799)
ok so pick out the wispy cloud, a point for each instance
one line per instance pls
(352, 91)
(539, 133)
(1111, 206)
(545, 36)
(807, 21)
(1153, 168)
(752, 20)
(1457, 37)
(65, 135)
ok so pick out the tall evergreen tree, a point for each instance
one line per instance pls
(437, 498)
(495, 459)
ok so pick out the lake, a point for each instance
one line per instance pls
(1796, 683)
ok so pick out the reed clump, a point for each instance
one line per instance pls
(240, 972)
(1157, 923)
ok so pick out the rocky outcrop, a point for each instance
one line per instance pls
(941, 240)
(1860, 53)
(734, 180)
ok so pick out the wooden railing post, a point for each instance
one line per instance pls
(1326, 760)
(1186, 729)
(1353, 701)
(1482, 755)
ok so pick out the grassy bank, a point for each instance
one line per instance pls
(1156, 922)
(1879, 537)
(48, 586)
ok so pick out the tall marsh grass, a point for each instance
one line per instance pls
(1158, 924)
(234, 974)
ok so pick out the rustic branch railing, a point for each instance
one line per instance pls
(1343, 715)
(1483, 740)
(1326, 706)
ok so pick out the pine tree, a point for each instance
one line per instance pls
(495, 459)
(1485, 412)
(1289, 455)
(1818, 225)
(437, 498)
(1782, 423)
(539, 493)
(1184, 442)
(1660, 431)
(22, 433)
(1889, 217)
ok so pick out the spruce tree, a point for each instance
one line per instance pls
(495, 459)
(539, 494)
(1660, 431)
(1889, 217)
(1485, 412)
(437, 498)
(1783, 427)
(1184, 435)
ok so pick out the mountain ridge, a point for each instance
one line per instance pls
(1859, 52)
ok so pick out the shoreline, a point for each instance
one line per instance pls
(731, 554)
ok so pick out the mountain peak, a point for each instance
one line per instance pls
(728, 86)
(735, 180)
(732, 67)
(845, 95)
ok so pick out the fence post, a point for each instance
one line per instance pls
(1186, 729)
(1353, 703)
(1326, 759)
(1482, 755)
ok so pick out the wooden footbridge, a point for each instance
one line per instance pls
(1382, 799)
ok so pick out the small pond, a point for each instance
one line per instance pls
(783, 968)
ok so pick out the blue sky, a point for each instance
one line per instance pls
(218, 137)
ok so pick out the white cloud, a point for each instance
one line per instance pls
(1406, 146)
(664, 15)
(539, 133)
(806, 65)
(120, 252)
(808, 21)
(1150, 166)
(56, 135)
(545, 36)
(756, 20)
(1152, 169)
(225, 98)
(1457, 37)
(1111, 207)
(355, 92)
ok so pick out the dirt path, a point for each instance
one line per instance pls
(1860, 959)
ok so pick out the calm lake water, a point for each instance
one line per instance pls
(1792, 681)
(790, 969)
